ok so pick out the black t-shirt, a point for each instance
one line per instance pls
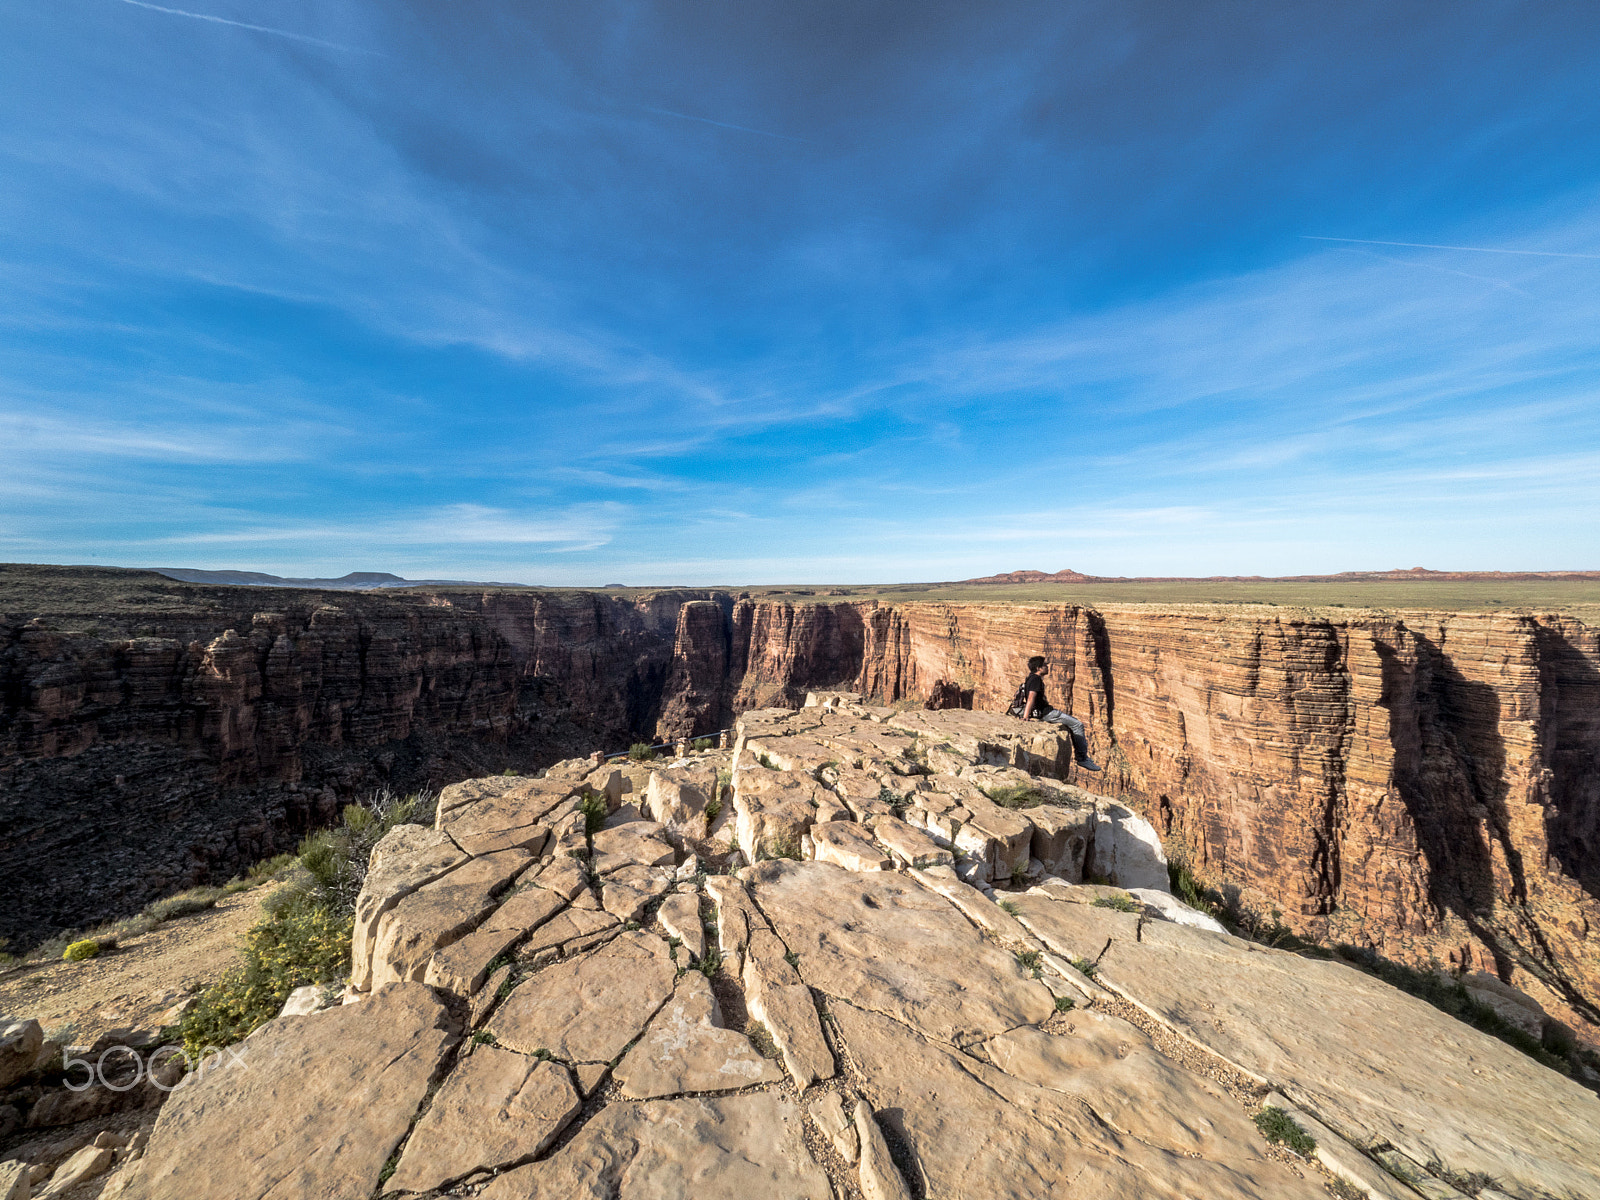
(1040, 706)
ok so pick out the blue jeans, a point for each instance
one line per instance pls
(1080, 744)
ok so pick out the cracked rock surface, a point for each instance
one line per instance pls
(897, 985)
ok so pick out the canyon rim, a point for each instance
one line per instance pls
(1422, 784)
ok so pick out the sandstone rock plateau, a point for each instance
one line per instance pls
(1423, 784)
(874, 1028)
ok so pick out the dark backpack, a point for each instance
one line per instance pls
(1018, 700)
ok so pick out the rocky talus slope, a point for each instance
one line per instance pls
(909, 991)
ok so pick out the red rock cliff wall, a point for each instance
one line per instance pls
(134, 765)
(1425, 784)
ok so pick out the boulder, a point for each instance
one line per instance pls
(880, 1178)
(680, 917)
(773, 810)
(20, 1043)
(312, 1106)
(561, 930)
(1127, 850)
(678, 804)
(496, 1107)
(407, 857)
(510, 813)
(14, 1184)
(1061, 837)
(637, 843)
(848, 845)
(827, 1110)
(86, 1164)
(910, 847)
(1168, 907)
(303, 1001)
(778, 998)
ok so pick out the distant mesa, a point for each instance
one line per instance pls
(1071, 576)
(355, 581)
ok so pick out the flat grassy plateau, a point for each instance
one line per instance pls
(106, 591)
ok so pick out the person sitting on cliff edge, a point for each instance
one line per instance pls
(1036, 705)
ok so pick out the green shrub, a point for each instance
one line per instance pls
(701, 745)
(1085, 967)
(1125, 904)
(641, 752)
(185, 903)
(304, 936)
(79, 951)
(593, 807)
(761, 1039)
(710, 962)
(270, 868)
(302, 940)
(1279, 1127)
(781, 847)
(1016, 795)
(1029, 959)
(1065, 1003)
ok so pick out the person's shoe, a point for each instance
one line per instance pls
(1089, 764)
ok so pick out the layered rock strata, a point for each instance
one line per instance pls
(892, 1031)
(1423, 784)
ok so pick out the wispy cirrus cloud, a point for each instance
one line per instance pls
(215, 20)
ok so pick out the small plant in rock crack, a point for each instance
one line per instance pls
(761, 1039)
(1029, 959)
(543, 1055)
(710, 962)
(1017, 795)
(593, 808)
(508, 984)
(1470, 1182)
(784, 847)
(1019, 874)
(791, 958)
(1065, 1004)
(1125, 904)
(631, 927)
(1280, 1128)
(483, 1038)
(1085, 967)
(1007, 906)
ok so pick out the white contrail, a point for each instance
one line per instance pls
(1429, 246)
(284, 33)
(667, 112)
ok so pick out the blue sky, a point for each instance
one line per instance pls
(833, 292)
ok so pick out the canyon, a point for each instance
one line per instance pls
(1423, 784)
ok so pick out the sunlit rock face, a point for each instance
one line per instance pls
(1423, 783)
